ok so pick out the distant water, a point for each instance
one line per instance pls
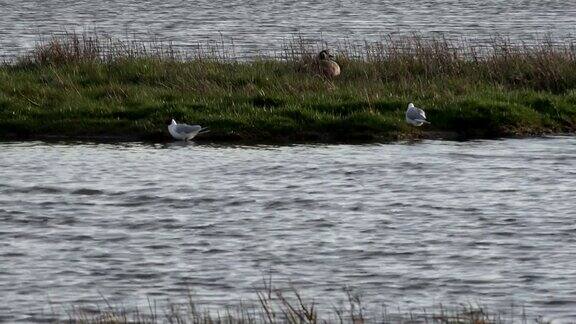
(255, 26)
(406, 224)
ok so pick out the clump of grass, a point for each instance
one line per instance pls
(89, 86)
(290, 306)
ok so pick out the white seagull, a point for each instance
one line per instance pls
(415, 116)
(185, 132)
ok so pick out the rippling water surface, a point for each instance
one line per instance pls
(262, 25)
(405, 224)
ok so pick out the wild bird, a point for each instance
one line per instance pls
(185, 132)
(328, 66)
(415, 116)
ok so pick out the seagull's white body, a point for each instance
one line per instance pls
(415, 116)
(184, 132)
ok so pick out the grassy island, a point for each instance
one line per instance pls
(84, 87)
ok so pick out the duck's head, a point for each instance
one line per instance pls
(325, 55)
(410, 105)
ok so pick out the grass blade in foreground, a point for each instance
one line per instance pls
(289, 306)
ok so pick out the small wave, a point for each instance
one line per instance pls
(241, 202)
(10, 213)
(35, 190)
(319, 223)
(139, 275)
(155, 199)
(531, 277)
(143, 200)
(80, 237)
(66, 220)
(287, 204)
(416, 286)
(207, 226)
(13, 254)
(556, 302)
(158, 246)
(214, 251)
(103, 255)
(504, 233)
(356, 208)
(23, 218)
(87, 192)
(276, 205)
(116, 239)
(399, 204)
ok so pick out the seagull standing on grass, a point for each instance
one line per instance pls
(185, 132)
(415, 116)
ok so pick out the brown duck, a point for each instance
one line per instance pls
(328, 66)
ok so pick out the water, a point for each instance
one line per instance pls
(406, 224)
(256, 26)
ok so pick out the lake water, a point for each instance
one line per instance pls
(255, 26)
(407, 224)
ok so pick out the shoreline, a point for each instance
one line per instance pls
(206, 140)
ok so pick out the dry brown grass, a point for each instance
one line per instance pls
(290, 306)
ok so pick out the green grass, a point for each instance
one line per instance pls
(83, 87)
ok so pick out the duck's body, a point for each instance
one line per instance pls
(415, 116)
(184, 132)
(328, 66)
